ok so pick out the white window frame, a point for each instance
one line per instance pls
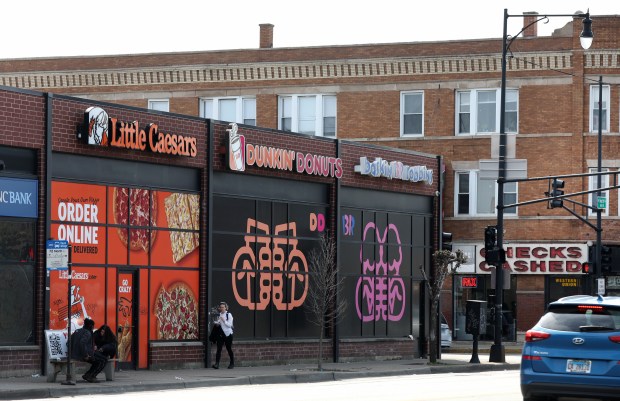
(592, 185)
(292, 112)
(474, 111)
(245, 108)
(594, 108)
(473, 195)
(159, 104)
(403, 95)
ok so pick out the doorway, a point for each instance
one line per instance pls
(126, 318)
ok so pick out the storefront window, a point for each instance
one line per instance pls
(260, 263)
(379, 260)
(16, 281)
(563, 286)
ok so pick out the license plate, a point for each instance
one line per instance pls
(578, 366)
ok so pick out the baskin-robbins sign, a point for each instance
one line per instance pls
(242, 154)
(18, 197)
(394, 170)
(99, 129)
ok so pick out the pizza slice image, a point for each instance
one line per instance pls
(176, 311)
(135, 208)
(182, 212)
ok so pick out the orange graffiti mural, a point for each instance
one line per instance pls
(274, 267)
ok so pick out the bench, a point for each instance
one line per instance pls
(57, 366)
(56, 341)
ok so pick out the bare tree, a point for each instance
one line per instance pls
(445, 264)
(323, 303)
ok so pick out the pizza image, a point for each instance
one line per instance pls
(131, 208)
(182, 213)
(176, 311)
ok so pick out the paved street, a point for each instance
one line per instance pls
(477, 386)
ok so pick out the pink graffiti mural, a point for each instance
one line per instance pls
(382, 296)
(273, 266)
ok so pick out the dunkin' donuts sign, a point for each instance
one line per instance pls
(242, 153)
(99, 129)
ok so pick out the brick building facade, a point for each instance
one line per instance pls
(163, 225)
(439, 98)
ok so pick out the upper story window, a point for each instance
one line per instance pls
(478, 111)
(474, 196)
(159, 104)
(594, 112)
(240, 110)
(308, 114)
(411, 113)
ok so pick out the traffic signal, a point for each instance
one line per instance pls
(446, 241)
(556, 190)
(587, 268)
(606, 259)
(490, 238)
(492, 254)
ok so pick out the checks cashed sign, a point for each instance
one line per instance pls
(539, 258)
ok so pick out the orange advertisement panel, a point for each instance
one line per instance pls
(125, 310)
(87, 242)
(78, 203)
(174, 305)
(87, 297)
(178, 211)
(79, 215)
(111, 298)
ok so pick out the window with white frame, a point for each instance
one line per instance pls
(412, 113)
(308, 114)
(478, 111)
(594, 108)
(592, 185)
(474, 196)
(240, 110)
(159, 104)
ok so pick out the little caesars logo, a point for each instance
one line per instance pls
(101, 130)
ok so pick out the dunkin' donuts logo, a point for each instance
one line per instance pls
(242, 153)
(99, 129)
(236, 146)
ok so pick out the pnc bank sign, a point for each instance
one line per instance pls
(99, 129)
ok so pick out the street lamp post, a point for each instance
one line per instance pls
(598, 267)
(497, 352)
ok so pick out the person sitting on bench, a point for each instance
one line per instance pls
(83, 349)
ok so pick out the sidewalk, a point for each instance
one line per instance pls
(148, 380)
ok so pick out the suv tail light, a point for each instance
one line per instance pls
(533, 335)
(614, 339)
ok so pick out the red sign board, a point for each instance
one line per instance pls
(469, 282)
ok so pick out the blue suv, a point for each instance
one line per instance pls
(574, 350)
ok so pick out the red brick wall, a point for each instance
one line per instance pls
(176, 356)
(22, 124)
(19, 361)
(251, 353)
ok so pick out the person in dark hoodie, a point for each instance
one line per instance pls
(105, 341)
(83, 349)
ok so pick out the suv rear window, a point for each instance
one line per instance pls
(581, 318)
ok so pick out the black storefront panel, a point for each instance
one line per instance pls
(260, 251)
(18, 214)
(385, 239)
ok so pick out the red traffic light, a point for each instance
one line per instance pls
(587, 268)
